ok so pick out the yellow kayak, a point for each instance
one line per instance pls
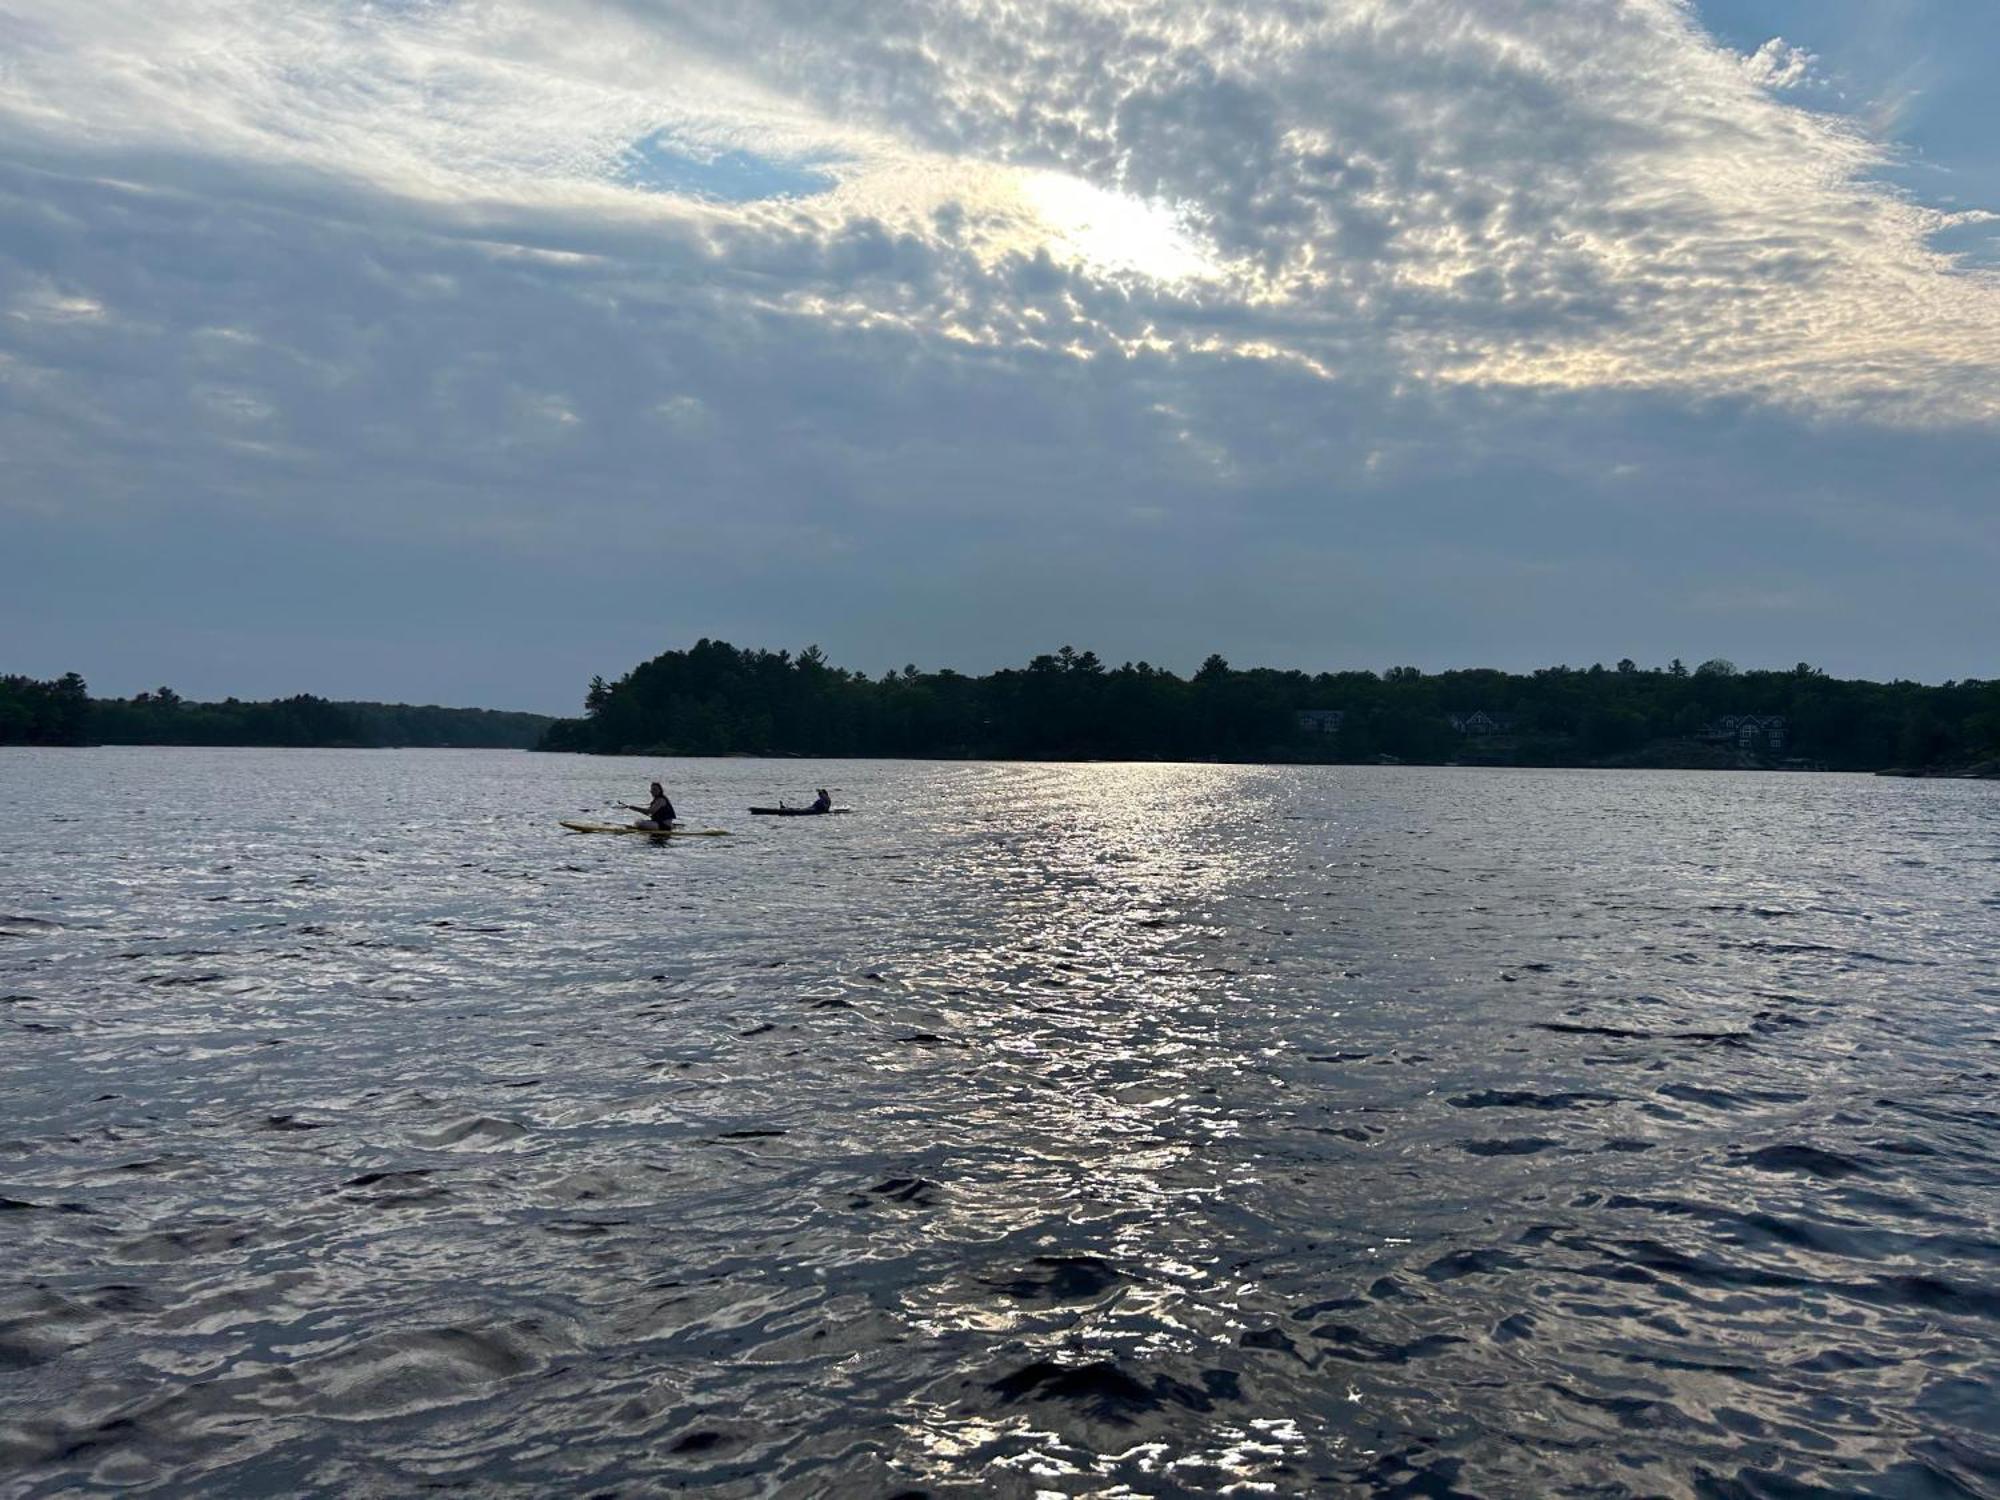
(658, 833)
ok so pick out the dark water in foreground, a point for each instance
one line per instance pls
(1081, 1130)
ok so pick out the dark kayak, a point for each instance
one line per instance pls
(648, 830)
(795, 812)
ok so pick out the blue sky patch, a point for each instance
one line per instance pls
(660, 164)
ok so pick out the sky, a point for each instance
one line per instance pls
(457, 350)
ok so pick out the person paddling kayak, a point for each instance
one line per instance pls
(660, 810)
(820, 804)
(823, 803)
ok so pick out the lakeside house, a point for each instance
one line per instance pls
(1750, 732)
(1321, 720)
(1479, 721)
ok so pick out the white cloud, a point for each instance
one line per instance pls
(1564, 195)
(1779, 65)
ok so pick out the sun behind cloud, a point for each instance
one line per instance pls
(1109, 232)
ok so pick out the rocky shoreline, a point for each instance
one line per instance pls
(1986, 770)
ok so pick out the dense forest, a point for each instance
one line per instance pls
(62, 712)
(716, 699)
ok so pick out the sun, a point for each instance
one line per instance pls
(1115, 232)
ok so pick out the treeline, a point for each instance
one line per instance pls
(716, 699)
(62, 712)
(44, 713)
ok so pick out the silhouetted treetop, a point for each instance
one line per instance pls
(714, 698)
(63, 713)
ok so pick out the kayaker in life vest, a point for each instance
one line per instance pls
(823, 802)
(659, 811)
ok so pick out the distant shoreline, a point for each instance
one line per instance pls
(719, 699)
(1984, 771)
(63, 713)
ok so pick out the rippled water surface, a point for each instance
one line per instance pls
(1096, 1130)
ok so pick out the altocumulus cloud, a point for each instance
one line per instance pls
(1350, 327)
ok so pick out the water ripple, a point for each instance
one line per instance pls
(1074, 1130)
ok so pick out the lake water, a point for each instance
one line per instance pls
(1074, 1130)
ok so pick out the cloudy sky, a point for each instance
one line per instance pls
(454, 350)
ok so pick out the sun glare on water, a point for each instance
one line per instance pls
(1116, 232)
